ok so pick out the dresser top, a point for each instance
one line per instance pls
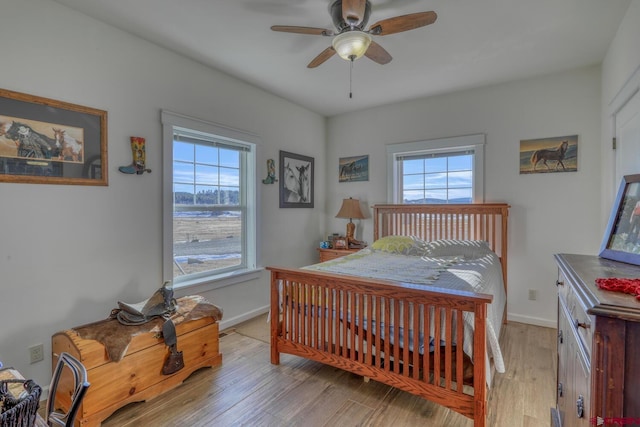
(583, 270)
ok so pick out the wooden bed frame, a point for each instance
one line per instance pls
(328, 317)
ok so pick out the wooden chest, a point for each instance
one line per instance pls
(137, 376)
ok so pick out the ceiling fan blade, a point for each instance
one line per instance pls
(302, 30)
(320, 59)
(377, 53)
(402, 23)
(353, 11)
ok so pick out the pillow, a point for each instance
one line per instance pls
(469, 249)
(404, 245)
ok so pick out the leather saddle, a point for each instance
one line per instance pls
(161, 304)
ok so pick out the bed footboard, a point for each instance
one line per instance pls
(397, 334)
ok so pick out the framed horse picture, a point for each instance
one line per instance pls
(296, 180)
(44, 141)
(547, 155)
(351, 169)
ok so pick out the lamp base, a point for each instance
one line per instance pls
(351, 240)
(351, 229)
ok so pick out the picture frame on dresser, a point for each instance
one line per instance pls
(621, 240)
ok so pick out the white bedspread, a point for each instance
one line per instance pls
(481, 272)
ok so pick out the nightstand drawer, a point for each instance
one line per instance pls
(329, 254)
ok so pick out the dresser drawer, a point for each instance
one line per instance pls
(580, 321)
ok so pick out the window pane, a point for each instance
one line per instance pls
(413, 182)
(230, 177)
(457, 163)
(229, 158)
(207, 154)
(436, 196)
(206, 195)
(413, 196)
(229, 196)
(437, 164)
(182, 151)
(442, 173)
(460, 179)
(413, 166)
(205, 237)
(206, 174)
(205, 240)
(460, 195)
(436, 180)
(183, 194)
(183, 172)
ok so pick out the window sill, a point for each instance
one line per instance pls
(204, 284)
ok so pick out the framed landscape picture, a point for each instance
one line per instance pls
(45, 141)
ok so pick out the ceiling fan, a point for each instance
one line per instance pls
(351, 40)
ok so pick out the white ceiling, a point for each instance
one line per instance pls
(472, 43)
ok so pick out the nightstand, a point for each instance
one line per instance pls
(327, 254)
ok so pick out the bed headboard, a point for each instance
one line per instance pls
(477, 221)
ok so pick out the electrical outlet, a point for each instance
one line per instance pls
(533, 294)
(36, 353)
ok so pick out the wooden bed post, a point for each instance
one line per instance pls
(479, 374)
(275, 319)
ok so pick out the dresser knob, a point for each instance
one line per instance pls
(579, 324)
(560, 389)
(559, 283)
(560, 336)
(580, 406)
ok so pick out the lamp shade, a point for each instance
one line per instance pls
(351, 45)
(350, 209)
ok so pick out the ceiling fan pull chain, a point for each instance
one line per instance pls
(350, 79)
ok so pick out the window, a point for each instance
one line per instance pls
(448, 170)
(209, 201)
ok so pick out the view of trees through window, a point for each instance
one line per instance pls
(207, 208)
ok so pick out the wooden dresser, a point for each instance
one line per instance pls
(598, 378)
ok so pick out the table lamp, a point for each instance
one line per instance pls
(350, 209)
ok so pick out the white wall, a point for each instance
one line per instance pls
(550, 213)
(69, 253)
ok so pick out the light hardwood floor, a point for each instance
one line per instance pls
(248, 390)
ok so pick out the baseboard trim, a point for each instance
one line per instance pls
(228, 323)
(537, 321)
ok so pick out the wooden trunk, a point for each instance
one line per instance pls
(138, 375)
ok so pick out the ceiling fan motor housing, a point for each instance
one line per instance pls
(336, 16)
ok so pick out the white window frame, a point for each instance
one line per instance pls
(452, 145)
(250, 271)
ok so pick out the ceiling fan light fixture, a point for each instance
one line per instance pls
(351, 45)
